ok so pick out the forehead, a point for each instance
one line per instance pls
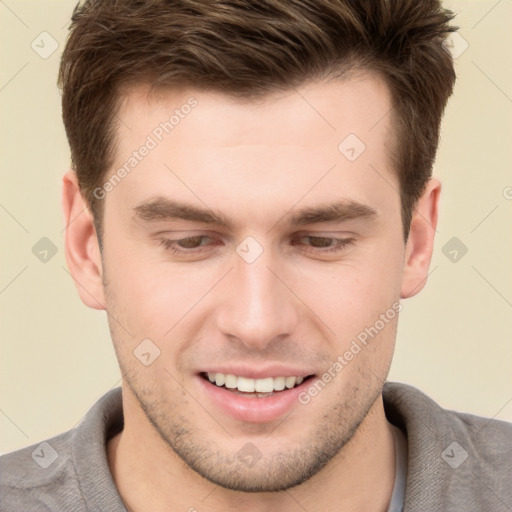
(209, 148)
(318, 111)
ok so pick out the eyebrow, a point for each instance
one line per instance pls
(165, 209)
(161, 209)
(335, 212)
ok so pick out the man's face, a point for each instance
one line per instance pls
(289, 301)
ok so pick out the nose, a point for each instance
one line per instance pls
(257, 309)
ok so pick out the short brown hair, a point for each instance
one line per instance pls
(250, 48)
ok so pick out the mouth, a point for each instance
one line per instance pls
(254, 395)
(254, 388)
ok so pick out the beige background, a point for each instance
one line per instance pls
(454, 339)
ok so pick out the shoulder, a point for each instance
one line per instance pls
(40, 477)
(455, 459)
(69, 471)
(408, 404)
(411, 403)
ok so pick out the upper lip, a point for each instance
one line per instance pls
(251, 372)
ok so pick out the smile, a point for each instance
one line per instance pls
(254, 400)
(247, 385)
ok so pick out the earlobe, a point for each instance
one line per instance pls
(420, 244)
(82, 250)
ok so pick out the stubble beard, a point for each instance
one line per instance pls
(278, 469)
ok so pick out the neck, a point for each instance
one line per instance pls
(149, 476)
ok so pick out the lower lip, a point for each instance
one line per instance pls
(251, 408)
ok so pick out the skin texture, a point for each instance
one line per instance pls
(295, 305)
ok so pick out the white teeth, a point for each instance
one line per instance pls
(230, 381)
(264, 385)
(244, 384)
(279, 383)
(290, 382)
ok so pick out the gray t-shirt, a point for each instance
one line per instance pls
(455, 462)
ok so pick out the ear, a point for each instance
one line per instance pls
(82, 249)
(420, 244)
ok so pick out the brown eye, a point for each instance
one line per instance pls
(320, 241)
(322, 244)
(190, 242)
(190, 245)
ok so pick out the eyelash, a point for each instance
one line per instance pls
(339, 244)
(171, 245)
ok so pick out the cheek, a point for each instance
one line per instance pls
(363, 313)
(352, 295)
(152, 294)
